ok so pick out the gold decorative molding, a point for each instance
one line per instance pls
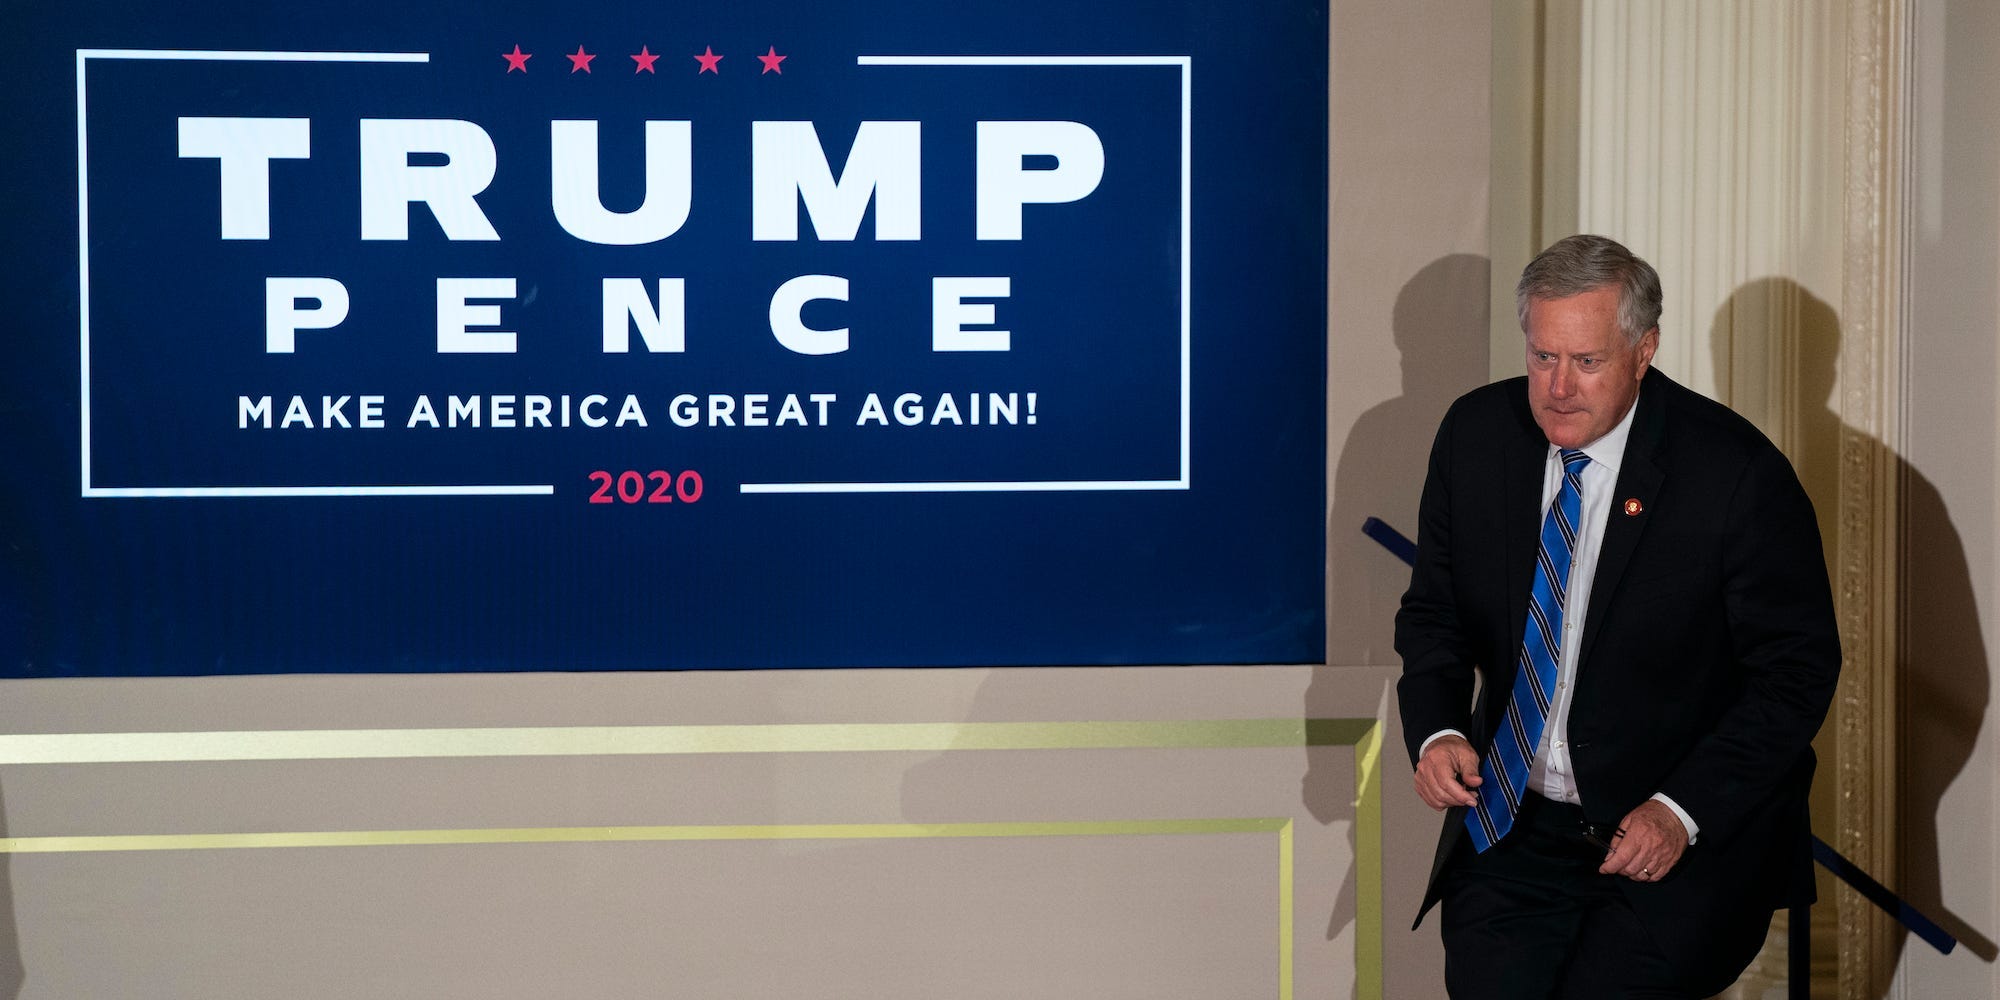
(1867, 584)
(1364, 735)
(600, 741)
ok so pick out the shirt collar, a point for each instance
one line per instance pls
(1609, 450)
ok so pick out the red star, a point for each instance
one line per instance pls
(708, 59)
(645, 60)
(579, 61)
(771, 60)
(517, 59)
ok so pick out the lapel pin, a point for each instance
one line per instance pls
(1633, 507)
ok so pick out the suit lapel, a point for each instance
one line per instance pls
(1639, 478)
(1526, 459)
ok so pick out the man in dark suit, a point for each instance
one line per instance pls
(1635, 573)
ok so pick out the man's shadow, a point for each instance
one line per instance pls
(1942, 663)
(1439, 324)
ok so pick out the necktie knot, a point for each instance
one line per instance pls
(1574, 461)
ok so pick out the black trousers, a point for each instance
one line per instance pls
(1531, 919)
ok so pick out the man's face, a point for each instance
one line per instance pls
(1582, 375)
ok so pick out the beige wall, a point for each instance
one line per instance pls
(819, 833)
(1407, 333)
(1406, 281)
(1951, 754)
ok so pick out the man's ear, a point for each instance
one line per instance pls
(1647, 345)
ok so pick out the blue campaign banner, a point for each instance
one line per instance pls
(606, 335)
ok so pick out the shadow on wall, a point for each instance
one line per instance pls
(1944, 679)
(1440, 330)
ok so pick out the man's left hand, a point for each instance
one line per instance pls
(1648, 844)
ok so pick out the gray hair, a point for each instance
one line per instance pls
(1577, 264)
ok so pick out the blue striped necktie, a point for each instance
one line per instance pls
(1505, 769)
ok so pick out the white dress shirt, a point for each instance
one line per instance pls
(1551, 773)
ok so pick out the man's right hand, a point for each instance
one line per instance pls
(1447, 773)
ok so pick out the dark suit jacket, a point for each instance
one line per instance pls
(1709, 652)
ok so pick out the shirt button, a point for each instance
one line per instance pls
(1561, 685)
(1559, 744)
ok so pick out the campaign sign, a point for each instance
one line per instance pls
(612, 336)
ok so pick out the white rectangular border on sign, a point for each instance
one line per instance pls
(83, 56)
